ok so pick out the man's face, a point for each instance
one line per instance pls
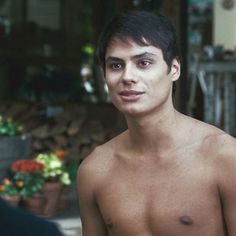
(138, 78)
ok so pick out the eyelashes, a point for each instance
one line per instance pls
(142, 64)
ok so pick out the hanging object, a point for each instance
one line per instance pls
(227, 4)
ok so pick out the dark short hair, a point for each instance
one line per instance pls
(144, 28)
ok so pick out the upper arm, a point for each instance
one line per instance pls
(227, 185)
(92, 221)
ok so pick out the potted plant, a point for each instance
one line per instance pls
(56, 176)
(9, 128)
(54, 169)
(12, 135)
(29, 176)
(9, 191)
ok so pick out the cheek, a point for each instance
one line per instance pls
(112, 82)
(154, 80)
(159, 85)
(110, 86)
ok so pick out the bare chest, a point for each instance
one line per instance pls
(161, 204)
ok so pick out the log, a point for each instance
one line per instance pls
(32, 123)
(15, 110)
(74, 127)
(57, 129)
(29, 114)
(98, 137)
(61, 140)
(73, 130)
(37, 145)
(84, 138)
(50, 145)
(41, 132)
(64, 118)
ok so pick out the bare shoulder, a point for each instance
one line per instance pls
(97, 165)
(213, 140)
(215, 144)
(216, 151)
(220, 144)
(220, 148)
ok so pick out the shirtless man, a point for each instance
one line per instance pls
(167, 174)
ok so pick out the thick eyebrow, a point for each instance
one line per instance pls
(112, 59)
(141, 55)
(145, 54)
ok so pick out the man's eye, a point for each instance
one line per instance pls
(115, 66)
(144, 63)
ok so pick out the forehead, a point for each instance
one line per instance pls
(122, 48)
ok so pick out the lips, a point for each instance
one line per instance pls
(130, 95)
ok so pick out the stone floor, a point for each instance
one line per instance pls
(69, 220)
(69, 226)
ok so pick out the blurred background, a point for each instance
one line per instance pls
(52, 88)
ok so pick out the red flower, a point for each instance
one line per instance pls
(60, 154)
(27, 166)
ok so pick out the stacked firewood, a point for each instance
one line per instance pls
(69, 127)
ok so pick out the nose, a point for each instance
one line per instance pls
(129, 75)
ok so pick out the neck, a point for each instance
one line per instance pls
(154, 134)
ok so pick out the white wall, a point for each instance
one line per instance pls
(224, 26)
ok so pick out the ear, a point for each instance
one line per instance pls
(175, 70)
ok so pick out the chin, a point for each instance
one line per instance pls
(132, 110)
(135, 109)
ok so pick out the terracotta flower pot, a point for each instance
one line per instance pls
(12, 200)
(35, 204)
(51, 192)
(63, 200)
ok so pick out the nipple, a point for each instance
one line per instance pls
(109, 223)
(186, 220)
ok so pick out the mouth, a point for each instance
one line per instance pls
(130, 95)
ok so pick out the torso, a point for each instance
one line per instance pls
(164, 197)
